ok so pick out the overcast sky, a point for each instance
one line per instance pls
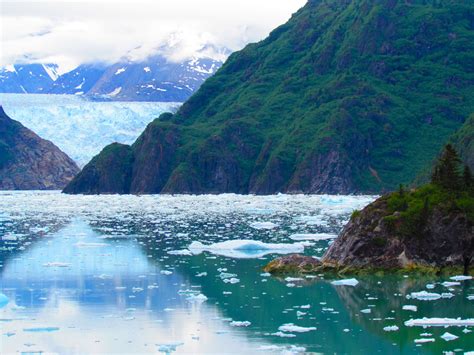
(74, 32)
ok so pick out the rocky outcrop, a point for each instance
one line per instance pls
(293, 264)
(377, 238)
(399, 234)
(28, 162)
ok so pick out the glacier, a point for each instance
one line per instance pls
(79, 127)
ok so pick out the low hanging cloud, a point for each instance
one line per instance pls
(76, 32)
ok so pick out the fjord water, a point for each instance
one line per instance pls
(113, 274)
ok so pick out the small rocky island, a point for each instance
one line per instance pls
(429, 229)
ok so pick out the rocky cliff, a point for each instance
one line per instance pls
(347, 96)
(28, 162)
(384, 237)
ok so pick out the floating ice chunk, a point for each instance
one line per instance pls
(367, 311)
(197, 298)
(91, 245)
(284, 335)
(300, 314)
(201, 274)
(425, 296)
(424, 340)
(232, 280)
(440, 322)
(265, 274)
(313, 236)
(245, 248)
(470, 298)
(345, 282)
(430, 286)
(166, 272)
(448, 336)
(451, 284)
(461, 278)
(185, 252)
(391, 328)
(291, 328)
(410, 308)
(240, 323)
(41, 329)
(263, 225)
(293, 279)
(3, 300)
(447, 295)
(56, 264)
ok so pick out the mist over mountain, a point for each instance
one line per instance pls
(160, 77)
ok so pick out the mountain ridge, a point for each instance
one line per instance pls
(351, 96)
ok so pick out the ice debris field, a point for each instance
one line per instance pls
(163, 274)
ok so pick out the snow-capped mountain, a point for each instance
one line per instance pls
(156, 78)
(78, 81)
(28, 78)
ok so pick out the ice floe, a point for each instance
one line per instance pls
(410, 308)
(345, 282)
(313, 236)
(242, 248)
(448, 336)
(240, 323)
(461, 278)
(424, 340)
(440, 322)
(263, 225)
(291, 328)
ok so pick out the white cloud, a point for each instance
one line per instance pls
(73, 32)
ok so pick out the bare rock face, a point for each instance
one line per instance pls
(28, 162)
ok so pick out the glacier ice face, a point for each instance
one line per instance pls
(79, 127)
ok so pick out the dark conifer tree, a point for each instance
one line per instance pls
(447, 171)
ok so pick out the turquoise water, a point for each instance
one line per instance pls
(100, 274)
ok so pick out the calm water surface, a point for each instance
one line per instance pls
(113, 274)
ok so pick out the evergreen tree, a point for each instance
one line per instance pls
(447, 171)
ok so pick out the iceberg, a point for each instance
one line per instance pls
(448, 336)
(345, 282)
(425, 296)
(314, 236)
(440, 322)
(245, 249)
(391, 328)
(240, 324)
(263, 225)
(461, 278)
(291, 328)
